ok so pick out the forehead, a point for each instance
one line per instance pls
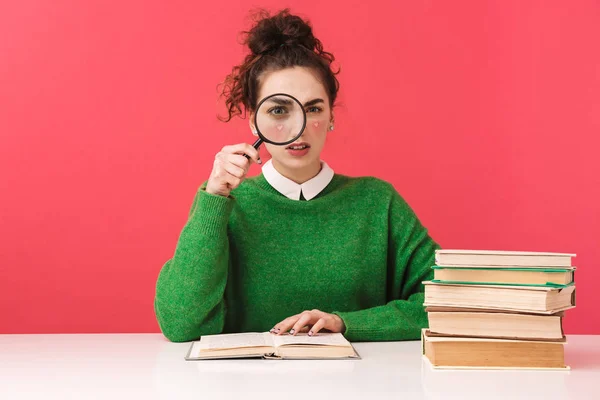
(300, 82)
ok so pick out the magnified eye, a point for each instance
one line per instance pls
(277, 111)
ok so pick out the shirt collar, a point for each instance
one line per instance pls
(291, 189)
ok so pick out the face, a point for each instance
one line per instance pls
(303, 84)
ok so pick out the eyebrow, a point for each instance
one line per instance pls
(313, 102)
(284, 101)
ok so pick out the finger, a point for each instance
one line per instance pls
(219, 173)
(243, 148)
(234, 170)
(320, 324)
(288, 323)
(285, 325)
(277, 327)
(239, 160)
(232, 181)
(303, 330)
(305, 319)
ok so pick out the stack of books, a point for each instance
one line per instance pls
(498, 309)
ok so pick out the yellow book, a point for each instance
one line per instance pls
(479, 353)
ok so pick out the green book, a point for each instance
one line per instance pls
(514, 276)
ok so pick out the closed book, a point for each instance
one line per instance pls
(478, 353)
(500, 325)
(533, 299)
(502, 258)
(515, 276)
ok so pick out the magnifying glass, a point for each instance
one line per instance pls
(280, 119)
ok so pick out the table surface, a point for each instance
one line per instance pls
(147, 366)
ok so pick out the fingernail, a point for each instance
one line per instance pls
(259, 161)
(310, 333)
(277, 329)
(292, 332)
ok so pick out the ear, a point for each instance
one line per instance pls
(251, 124)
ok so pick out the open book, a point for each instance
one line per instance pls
(268, 345)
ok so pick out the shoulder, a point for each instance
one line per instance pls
(369, 185)
(379, 191)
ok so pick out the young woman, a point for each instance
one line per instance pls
(299, 247)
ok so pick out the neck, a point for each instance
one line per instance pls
(299, 175)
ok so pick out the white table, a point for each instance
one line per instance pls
(147, 366)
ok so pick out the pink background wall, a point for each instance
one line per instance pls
(484, 115)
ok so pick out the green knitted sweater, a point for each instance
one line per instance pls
(245, 262)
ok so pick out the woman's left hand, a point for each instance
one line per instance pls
(315, 320)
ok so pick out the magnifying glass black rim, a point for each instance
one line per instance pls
(264, 139)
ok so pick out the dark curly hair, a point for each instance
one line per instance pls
(276, 42)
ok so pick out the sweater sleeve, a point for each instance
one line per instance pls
(411, 253)
(189, 300)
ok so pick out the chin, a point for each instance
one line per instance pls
(295, 163)
(300, 162)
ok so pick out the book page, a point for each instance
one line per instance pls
(320, 339)
(235, 340)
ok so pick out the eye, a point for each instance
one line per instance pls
(277, 111)
(314, 109)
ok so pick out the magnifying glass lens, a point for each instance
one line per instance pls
(280, 119)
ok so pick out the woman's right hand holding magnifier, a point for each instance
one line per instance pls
(280, 120)
(230, 168)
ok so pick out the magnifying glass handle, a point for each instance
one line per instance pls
(256, 145)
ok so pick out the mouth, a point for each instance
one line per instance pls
(298, 146)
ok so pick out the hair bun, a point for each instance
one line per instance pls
(289, 42)
(272, 32)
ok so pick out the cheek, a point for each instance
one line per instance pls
(317, 126)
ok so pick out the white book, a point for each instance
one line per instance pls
(448, 321)
(502, 258)
(532, 299)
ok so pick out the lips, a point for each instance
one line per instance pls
(298, 146)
